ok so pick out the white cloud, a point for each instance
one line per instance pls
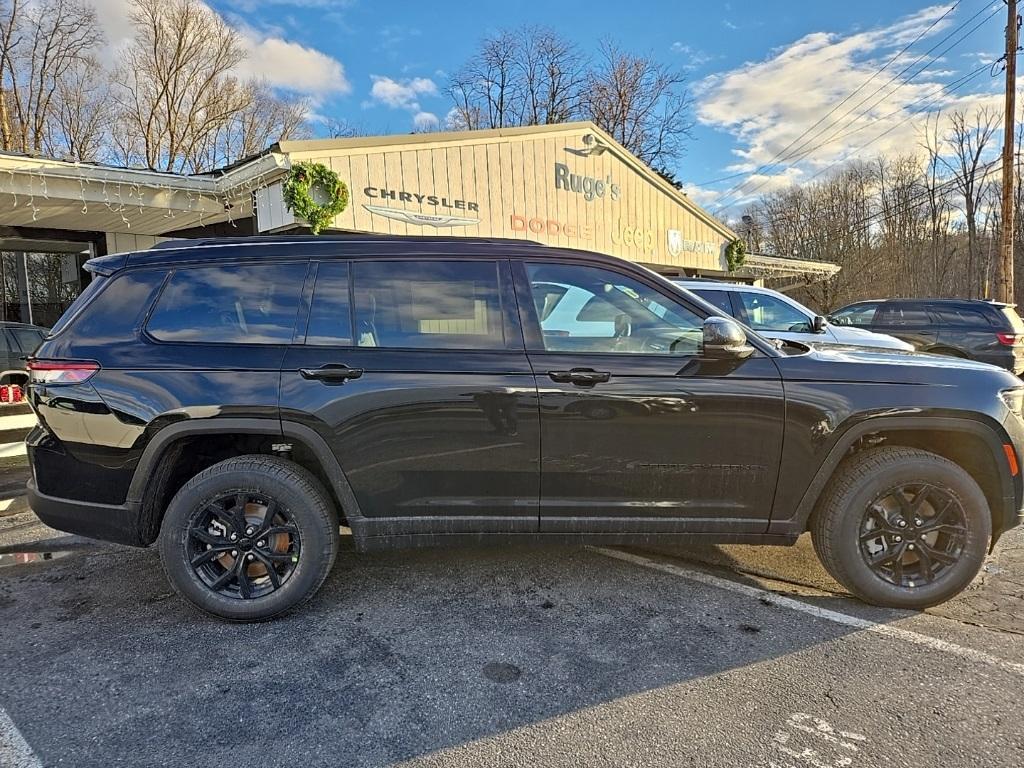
(767, 105)
(292, 66)
(401, 94)
(695, 58)
(425, 121)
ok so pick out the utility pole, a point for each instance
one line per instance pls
(1004, 285)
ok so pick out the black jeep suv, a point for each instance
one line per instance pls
(236, 401)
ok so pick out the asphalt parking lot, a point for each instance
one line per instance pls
(553, 656)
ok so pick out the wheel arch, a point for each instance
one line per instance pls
(159, 472)
(972, 445)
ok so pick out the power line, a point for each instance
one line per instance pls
(849, 96)
(803, 150)
(849, 155)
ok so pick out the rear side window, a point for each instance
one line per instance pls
(953, 315)
(83, 298)
(330, 316)
(118, 310)
(719, 298)
(237, 304)
(427, 304)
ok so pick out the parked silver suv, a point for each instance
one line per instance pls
(777, 316)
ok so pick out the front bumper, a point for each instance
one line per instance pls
(116, 523)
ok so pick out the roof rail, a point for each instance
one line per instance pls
(181, 243)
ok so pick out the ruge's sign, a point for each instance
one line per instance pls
(587, 186)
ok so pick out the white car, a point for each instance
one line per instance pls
(776, 316)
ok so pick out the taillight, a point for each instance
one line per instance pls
(61, 371)
(10, 393)
(1009, 339)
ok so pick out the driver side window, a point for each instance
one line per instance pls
(588, 309)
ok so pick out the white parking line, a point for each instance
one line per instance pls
(822, 613)
(14, 750)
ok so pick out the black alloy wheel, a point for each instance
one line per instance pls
(243, 545)
(911, 535)
(249, 538)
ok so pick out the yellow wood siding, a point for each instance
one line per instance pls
(505, 186)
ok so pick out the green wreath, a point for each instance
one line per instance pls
(735, 255)
(297, 197)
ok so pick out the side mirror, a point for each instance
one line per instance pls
(819, 323)
(724, 339)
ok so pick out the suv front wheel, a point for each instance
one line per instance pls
(249, 538)
(902, 527)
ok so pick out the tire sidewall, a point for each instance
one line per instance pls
(314, 541)
(939, 473)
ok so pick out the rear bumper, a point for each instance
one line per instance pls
(116, 523)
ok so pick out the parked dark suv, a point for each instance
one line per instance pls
(979, 330)
(236, 400)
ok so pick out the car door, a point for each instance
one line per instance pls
(638, 432)
(907, 320)
(414, 373)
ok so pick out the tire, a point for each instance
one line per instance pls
(864, 498)
(299, 546)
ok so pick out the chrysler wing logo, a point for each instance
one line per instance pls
(421, 219)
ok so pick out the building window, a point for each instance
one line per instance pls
(37, 286)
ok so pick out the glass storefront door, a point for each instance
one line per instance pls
(39, 285)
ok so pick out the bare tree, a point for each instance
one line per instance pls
(77, 129)
(174, 85)
(488, 90)
(967, 142)
(553, 74)
(262, 119)
(41, 44)
(340, 128)
(642, 103)
(939, 209)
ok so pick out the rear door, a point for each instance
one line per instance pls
(414, 372)
(638, 433)
(909, 321)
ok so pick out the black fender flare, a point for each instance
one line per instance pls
(797, 522)
(163, 440)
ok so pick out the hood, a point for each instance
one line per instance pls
(836, 362)
(848, 334)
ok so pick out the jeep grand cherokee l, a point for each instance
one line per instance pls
(235, 401)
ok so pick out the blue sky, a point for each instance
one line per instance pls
(760, 71)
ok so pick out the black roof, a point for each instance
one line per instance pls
(326, 246)
(947, 302)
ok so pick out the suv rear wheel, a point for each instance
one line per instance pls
(902, 527)
(249, 538)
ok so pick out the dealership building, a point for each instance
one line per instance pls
(568, 185)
